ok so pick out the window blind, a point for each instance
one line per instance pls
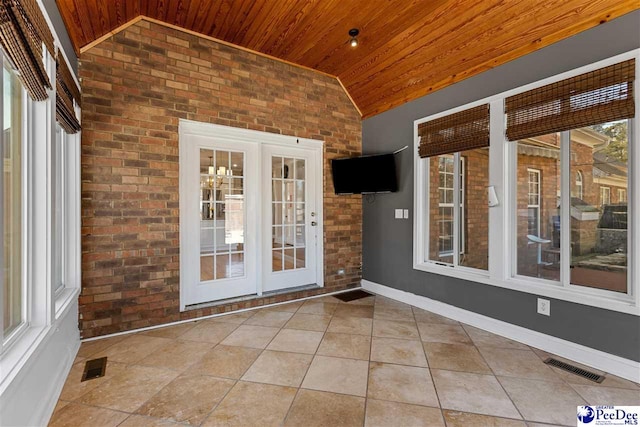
(66, 93)
(465, 130)
(591, 98)
(23, 31)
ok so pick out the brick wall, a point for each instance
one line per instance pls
(136, 86)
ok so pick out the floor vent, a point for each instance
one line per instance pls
(575, 370)
(95, 368)
(352, 296)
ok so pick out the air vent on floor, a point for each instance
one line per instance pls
(575, 370)
(95, 368)
(353, 295)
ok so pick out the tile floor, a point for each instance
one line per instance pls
(322, 362)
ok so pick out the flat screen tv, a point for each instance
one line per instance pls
(365, 174)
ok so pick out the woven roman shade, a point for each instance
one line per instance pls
(23, 31)
(465, 130)
(592, 98)
(66, 93)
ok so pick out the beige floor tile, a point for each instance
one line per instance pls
(507, 362)
(132, 349)
(452, 334)
(467, 392)
(429, 317)
(337, 375)
(170, 331)
(597, 395)
(226, 361)
(144, 421)
(129, 390)
(394, 329)
(279, 368)
(89, 348)
(235, 318)
(290, 307)
(483, 338)
(371, 300)
(388, 302)
(405, 384)
(208, 331)
(345, 345)
(609, 380)
(321, 409)
(74, 387)
(402, 352)
(296, 341)
(347, 310)
(74, 415)
(251, 404)
(275, 319)
(187, 398)
(465, 419)
(316, 307)
(350, 325)
(542, 401)
(329, 298)
(455, 357)
(384, 414)
(251, 336)
(403, 314)
(177, 355)
(61, 404)
(309, 322)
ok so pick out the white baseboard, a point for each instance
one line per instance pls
(597, 359)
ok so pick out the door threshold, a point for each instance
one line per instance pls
(251, 297)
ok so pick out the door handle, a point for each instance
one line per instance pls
(313, 223)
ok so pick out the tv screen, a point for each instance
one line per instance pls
(366, 174)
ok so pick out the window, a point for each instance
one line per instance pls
(622, 195)
(559, 230)
(537, 212)
(605, 196)
(579, 188)
(13, 292)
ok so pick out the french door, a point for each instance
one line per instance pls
(250, 210)
(290, 219)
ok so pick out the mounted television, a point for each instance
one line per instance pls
(365, 174)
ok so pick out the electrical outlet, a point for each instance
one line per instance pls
(398, 213)
(544, 307)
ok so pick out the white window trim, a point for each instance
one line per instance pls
(605, 195)
(622, 195)
(579, 185)
(500, 222)
(41, 308)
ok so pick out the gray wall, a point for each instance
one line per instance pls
(61, 30)
(387, 242)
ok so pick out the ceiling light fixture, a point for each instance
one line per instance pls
(353, 33)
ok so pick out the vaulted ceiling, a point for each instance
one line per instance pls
(408, 48)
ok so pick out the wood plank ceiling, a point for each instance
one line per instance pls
(408, 48)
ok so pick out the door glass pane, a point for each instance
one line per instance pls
(289, 259)
(599, 156)
(288, 208)
(222, 218)
(538, 211)
(12, 203)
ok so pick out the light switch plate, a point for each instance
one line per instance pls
(398, 213)
(406, 214)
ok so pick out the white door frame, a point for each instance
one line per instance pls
(231, 134)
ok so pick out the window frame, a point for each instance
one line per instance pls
(605, 195)
(579, 185)
(42, 306)
(622, 195)
(501, 224)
